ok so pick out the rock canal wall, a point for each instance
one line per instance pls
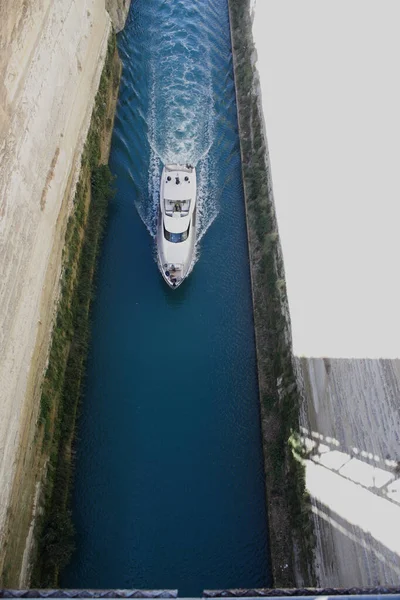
(290, 529)
(51, 60)
(118, 11)
(349, 407)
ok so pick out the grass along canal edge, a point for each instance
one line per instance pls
(289, 510)
(53, 530)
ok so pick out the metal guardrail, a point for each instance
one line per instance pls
(372, 593)
(303, 592)
(329, 597)
(31, 593)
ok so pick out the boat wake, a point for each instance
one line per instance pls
(180, 118)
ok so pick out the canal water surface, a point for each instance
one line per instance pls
(169, 489)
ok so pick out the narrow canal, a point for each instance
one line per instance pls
(169, 489)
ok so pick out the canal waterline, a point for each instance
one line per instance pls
(169, 487)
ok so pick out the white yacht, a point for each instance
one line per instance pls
(176, 231)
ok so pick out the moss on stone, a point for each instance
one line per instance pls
(290, 525)
(70, 341)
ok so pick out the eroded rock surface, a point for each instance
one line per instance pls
(51, 57)
(118, 10)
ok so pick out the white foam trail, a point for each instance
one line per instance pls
(181, 124)
(155, 167)
(147, 206)
(207, 205)
(206, 151)
(155, 170)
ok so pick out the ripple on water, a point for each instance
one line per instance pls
(180, 116)
(169, 485)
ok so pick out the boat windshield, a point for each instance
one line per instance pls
(175, 238)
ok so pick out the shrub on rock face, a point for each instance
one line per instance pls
(62, 387)
(58, 540)
(102, 179)
(288, 502)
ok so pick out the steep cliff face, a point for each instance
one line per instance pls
(289, 524)
(51, 58)
(118, 11)
(350, 407)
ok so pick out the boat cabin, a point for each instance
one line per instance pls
(178, 193)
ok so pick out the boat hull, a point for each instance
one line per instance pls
(176, 227)
(162, 259)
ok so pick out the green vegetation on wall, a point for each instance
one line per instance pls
(66, 369)
(290, 524)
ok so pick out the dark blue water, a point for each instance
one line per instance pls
(169, 486)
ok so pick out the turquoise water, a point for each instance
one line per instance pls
(169, 489)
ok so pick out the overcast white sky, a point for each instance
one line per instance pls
(330, 81)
